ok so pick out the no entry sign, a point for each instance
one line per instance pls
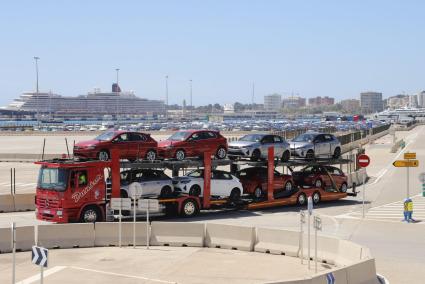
(363, 160)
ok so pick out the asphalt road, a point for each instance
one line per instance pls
(399, 248)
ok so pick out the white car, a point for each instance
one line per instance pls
(154, 183)
(223, 184)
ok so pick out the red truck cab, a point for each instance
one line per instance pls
(69, 191)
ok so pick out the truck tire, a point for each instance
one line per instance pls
(189, 208)
(90, 214)
(302, 199)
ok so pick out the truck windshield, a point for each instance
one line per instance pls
(53, 179)
(105, 136)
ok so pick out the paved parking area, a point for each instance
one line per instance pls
(156, 265)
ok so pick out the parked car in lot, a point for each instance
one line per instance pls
(154, 183)
(315, 145)
(320, 177)
(255, 147)
(131, 146)
(193, 143)
(254, 181)
(223, 184)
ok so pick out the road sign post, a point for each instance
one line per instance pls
(148, 204)
(13, 252)
(408, 162)
(302, 221)
(39, 256)
(317, 227)
(363, 161)
(310, 212)
(120, 204)
(136, 189)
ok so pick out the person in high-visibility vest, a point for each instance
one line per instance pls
(408, 210)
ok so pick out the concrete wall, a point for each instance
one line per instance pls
(17, 202)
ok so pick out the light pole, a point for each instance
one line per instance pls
(36, 58)
(191, 105)
(166, 97)
(116, 99)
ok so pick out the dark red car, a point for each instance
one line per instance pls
(131, 145)
(193, 143)
(254, 182)
(320, 177)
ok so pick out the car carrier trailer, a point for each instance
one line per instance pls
(74, 200)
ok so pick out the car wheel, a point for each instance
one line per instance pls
(256, 155)
(166, 191)
(288, 186)
(286, 156)
(310, 155)
(337, 153)
(195, 190)
(151, 155)
(235, 194)
(103, 155)
(316, 197)
(221, 153)
(318, 183)
(343, 188)
(180, 155)
(189, 208)
(302, 199)
(258, 192)
(90, 214)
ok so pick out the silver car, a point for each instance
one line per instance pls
(255, 147)
(315, 145)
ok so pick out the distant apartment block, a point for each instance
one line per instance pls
(371, 102)
(398, 101)
(350, 105)
(321, 101)
(293, 102)
(421, 99)
(273, 102)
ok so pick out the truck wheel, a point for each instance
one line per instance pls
(90, 214)
(343, 188)
(301, 199)
(180, 155)
(151, 155)
(166, 191)
(103, 155)
(256, 155)
(285, 156)
(337, 153)
(316, 197)
(195, 190)
(189, 208)
(221, 153)
(235, 194)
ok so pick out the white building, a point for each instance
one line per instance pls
(421, 99)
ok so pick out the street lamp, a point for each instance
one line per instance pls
(166, 97)
(36, 58)
(191, 105)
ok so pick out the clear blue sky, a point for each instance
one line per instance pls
(314, 48)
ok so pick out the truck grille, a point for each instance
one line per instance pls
(47, 203)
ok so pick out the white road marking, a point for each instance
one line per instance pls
(36, 278)
(121, 275)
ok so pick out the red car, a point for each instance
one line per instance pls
(193, 143)
(131, 145)
(254, 182)
(320, 177)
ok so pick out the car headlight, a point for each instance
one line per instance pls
(91, 147)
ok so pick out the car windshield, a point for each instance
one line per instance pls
(306, 137)
(105, 136)
(252, 138)
(53, 179)
(195, 174)
(179, 136)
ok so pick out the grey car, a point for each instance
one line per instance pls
(315, 145)
(155, 183)
(255, 147)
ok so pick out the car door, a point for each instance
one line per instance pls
(194, 145)
(136, 147)
(279, 146)
(266, 142)
(319, 145)
(218, 184)
(329, 145)
(210, 141)
(121, 142)
(145, 180)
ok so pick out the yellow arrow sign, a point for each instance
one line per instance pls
(406, 163)
(408, 156)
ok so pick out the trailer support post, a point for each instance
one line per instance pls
(207, 180)
(270, 174)
(115, 169)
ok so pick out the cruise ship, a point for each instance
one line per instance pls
(93, 105)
